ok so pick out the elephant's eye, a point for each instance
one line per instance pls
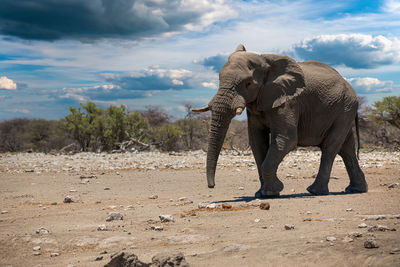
(248, 84)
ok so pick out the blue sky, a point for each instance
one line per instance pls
(56, 54)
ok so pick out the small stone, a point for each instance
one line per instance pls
(37, 248)
(381, 228)
(166, 218)
(226, 206)
(37, 253)
(113, 216)
(354, 234)
(350, 209)
(98, 258)
(53, 203)
(362, 225)
(72, 190)
(395, 251)
(240, 187)
(347, 239)
(395, 185)
(153, 197)
(309, 212)
(264, 227)
(202, 205)
(182, 199)
(257, 220)
(107, 188)
(307, 220)
(371, 243)
(157, 227)
(330, 238)
(289, 227)
(68, 199)
(54, 254)
(103, 252)
(4, 212)
(102, 227)
(264, 205)
(211, 206)
(42, 231)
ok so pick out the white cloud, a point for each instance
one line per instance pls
(209, 85)
(368, 85)
(352, 50)
(19, 110)
(7, 84)
(392, 6)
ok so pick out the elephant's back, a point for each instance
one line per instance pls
(327, 84)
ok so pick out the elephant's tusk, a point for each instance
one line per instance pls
(239, 111)
(199, 110)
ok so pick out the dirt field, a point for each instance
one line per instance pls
(38, 229)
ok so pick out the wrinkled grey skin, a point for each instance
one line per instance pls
(288, 104)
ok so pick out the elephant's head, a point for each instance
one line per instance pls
(269, 81)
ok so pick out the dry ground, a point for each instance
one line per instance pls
(242, 236)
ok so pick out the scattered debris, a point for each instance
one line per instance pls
(264, 205)
(68, 199)
(166, 218)
(371, 243)
(289, 227)
(113, 216)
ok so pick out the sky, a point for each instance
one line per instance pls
(56, 54)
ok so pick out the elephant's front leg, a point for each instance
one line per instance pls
(281, 144)
(259, 143)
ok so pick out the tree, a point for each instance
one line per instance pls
(387, 110)
(168, 136)
(155, 116)
(137, 127)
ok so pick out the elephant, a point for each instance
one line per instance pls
(288, 104)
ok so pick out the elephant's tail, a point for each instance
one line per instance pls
(358, 137)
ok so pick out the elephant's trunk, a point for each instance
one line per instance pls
(224, 108)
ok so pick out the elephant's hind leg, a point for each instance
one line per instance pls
(356, 175)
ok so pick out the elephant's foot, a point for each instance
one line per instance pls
(271, 190)
(317, 189)
(357, 188)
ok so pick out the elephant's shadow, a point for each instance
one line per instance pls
(288, 196)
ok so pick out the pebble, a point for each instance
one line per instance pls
(257, 220)
(371, 243)
(226, 206)
(68, 199)
(381, 228)
(37, 253)
(203, 205)
(54, 254)
(4, 212)
(107, 188)
(157, 227)
(362, 225)
(98, 258)
(182, 199)
(72, 190)
(42, 231)
(240, 188)
(354, 234)
(394, 185)
(264, 205)
(113, 216)
(102, 227)
(347, 239)
(350, 209)
(53, 203)
(211, 206)
(153, 197)
(289, 227)
(37, 248)
(330, 238)
(166, 218)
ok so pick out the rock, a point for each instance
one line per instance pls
(257, 220)
(289, 227)
(330, 238)
(211, 206)
(354, 234)
(166, 259)
(53, 203)
(125, 259)
(107, 188)
(350, 209)
(157, 227)
(395, 185)
(234, 247)
(203, 205)
(153, 197)
(375, 217)
(381, 228)
(240, 187)
(72, 190)
(68, 199)
(264, 205)
(129, 259)
(37, 248)
(4, 212)
(113, 216)
(182, 199)
(37, 253)
(98, 258)
(42, 231)
(54, 254)
(347, 239)
(226, 206)
(371, 243)
(102, 227)
(395, 251)
(166, 218)
(362, 225)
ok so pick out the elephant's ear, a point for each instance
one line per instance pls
(284, 80)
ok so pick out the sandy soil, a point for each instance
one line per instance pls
(244, 235)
